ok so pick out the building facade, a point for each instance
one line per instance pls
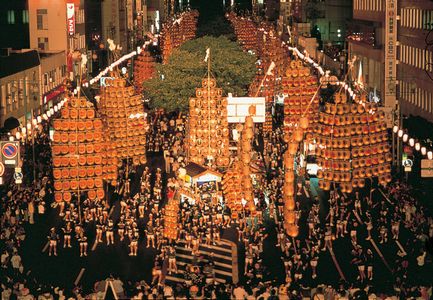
(19, 84)
(57, 25)
(398, 71)
(14, 22)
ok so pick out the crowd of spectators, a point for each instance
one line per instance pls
(355, 217)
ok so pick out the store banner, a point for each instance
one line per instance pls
(70, 15)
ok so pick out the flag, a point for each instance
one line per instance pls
(207, 54)
(271, 67)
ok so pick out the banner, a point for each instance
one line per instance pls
(390, 52)
(70, 15)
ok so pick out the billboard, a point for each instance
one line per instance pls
(237, 109)
(70, 16)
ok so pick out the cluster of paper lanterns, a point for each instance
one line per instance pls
(80, 161)
(208, 125)
(294, 139)
(175, 33)
(299, 88)
(171, 222)
(244, 27)
(412, 143)
(126, 124)
(144, 69)
(237, 182)
(352, 144)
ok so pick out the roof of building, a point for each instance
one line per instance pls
(18, 62)
(195, 170)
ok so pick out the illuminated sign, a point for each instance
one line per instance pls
(70, 15)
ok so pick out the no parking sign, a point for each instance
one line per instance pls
(10, 152)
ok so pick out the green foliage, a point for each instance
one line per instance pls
(176, 81)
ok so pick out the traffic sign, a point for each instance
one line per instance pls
(9, 150)
(2, 169)
(18, 177)
(408, 163)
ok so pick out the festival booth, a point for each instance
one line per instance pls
(195, 175)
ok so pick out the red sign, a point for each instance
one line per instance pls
(9, 150)
(2, 169)
(70, 15)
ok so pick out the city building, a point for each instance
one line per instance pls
(57, 25)
(19, 84)
(330, 17)
(52, 74)
(14, 22)
(30, 82)
(399, 75)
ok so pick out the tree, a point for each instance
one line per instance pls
(176, 81)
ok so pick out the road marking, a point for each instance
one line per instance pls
(336, 263)
(94, 245)
(216, 263)
(46, 247)
(77, 280)
(206, 252)
(380, 254)
(211, 247)
(181, 280)
(401, 247)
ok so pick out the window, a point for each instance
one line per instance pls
(11, 17)
(42, 19)
(25, 17)
(43, 43)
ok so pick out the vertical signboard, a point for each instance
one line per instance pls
(390, 52)
(70, 15)
(129, 15)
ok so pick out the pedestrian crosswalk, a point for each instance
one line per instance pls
(221, 254)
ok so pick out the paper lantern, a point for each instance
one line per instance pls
(400, 133)
(423, 150)
(430, 155)
(411, 142)
(417, 146)
(292, 230)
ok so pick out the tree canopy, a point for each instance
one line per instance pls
(176, 81)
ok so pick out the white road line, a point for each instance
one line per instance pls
(217, 263)
(46, 247)
(229, 258)
(77, 280)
